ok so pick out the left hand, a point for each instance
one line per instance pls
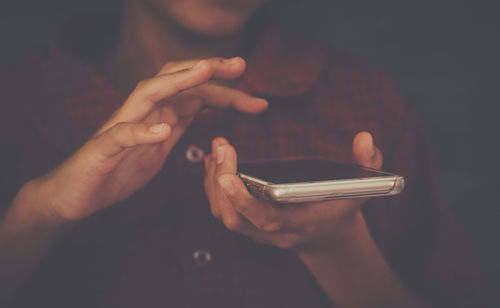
(301, 227)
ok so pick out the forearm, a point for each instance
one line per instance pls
(354, 273)
(27, 232)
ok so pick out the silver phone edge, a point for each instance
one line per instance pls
(324, 190)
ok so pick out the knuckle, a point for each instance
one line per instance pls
(175, 84)
(210, 70)
(216, 62)
(274, 226)
(217, 59)
(114, 131)
(95, 139)
(215, 212)
(136, 131)
(166, 67)
(142, 84)
(286, 243)
(219, 141)
(231, 222)
(206, 183)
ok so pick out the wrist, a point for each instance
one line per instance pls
(351, 235)
(355, 273)
(33, 201)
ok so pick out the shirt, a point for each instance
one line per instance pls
(162, 248)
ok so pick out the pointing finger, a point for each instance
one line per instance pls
(148, 92)
(126, 135)
(223, 68)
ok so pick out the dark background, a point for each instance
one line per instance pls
(442, 53)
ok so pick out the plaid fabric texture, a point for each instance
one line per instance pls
(140, 253)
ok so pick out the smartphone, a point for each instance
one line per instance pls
(315, 180)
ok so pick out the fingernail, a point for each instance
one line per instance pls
(262, 101)
(231, 60)
(227, 185)
(220, 155)
(157, 128)
(197, 66)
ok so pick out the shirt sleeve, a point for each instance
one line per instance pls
(21, 147)
(415, 230)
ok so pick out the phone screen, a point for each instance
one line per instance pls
(306, 170)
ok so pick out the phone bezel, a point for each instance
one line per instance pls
(384, 185)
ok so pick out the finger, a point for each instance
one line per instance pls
(222, 209)
(210, 185)
(126, 135)
(206, 161)
(220, 204)
(217, 96)
(148, 92)
(263, 215)
(223, 68)
(365, 152)
(232, 220)
(177, 132)
(224, 153)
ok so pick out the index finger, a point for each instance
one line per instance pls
(148, 92)
(265, 216)
(225, 68)
(217, 96)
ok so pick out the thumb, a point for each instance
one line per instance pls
(225, 156)
(365, 152)
(125, 135)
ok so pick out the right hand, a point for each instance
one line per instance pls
(131, 147)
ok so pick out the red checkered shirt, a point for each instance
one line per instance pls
(162, 247)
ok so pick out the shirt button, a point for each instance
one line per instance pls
(202, 257)
(194, 153)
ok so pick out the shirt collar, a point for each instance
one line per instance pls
(282, 66)
(77, 97)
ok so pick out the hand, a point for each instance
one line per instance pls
(133, 144)
(303, 227)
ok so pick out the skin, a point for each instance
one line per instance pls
(305, 227)
(331, 238)
(133, 144)
(158, 31)
(211, 18)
